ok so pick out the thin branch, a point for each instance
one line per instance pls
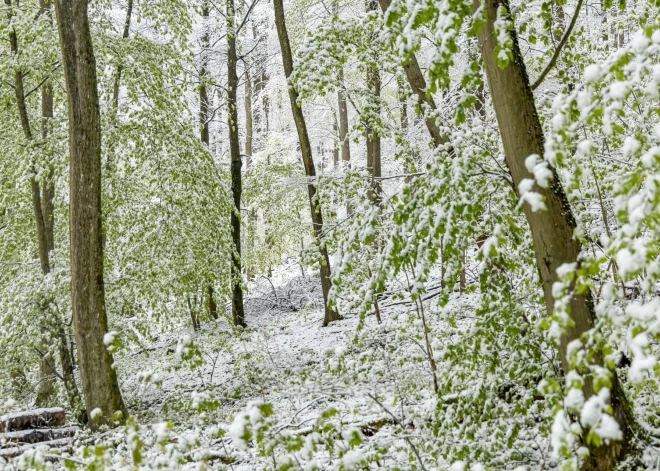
(406, 438)
(43, 81)
(247, 15)
(555, 56)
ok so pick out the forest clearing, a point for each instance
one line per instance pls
(330, 235)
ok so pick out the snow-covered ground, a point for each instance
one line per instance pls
(288, 393)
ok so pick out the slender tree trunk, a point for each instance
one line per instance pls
(238, 313)
(203, 93)
(306, 150)
(66, 359)
(343, 129)
(249, 129)
(373, 138)
(212, 305)
(124, 35)
(46, 388)
(204, 112)
(343, 121)
(99, 378)
(48, 187)
(335, 149)
(552, 229)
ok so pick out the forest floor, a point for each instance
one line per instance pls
(305, 391)
(201, 380)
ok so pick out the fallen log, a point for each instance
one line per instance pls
(52, 417)
(13, 452)
(37, 435)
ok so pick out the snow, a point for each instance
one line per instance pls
(109, 337)
(592, 73)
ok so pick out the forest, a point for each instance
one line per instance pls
(330, 235)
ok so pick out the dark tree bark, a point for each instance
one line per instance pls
(46, 388)
(212, 305)
(306, 150)
(124, 35)
(249, 128)
(418, 85)
(552, 229)
(373, 138)
(50, 417)
(204, 107)
(237, 311)
(66, 360)
(99, 379)
(343, 129)
(204, 117)
(343, 121)
(335, 149)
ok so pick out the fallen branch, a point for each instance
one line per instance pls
(52, 417)
(38, 435)
(13, 452)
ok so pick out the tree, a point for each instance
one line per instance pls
(237, 311)
(306, 150)
(99, 378)
(553, 229)
(372, 124)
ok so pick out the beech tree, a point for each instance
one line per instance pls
(103, 399)
(306, 150)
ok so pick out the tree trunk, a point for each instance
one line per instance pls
(373, 138)
(553, 229)
(343, 129)
(335, 148)
(306, 150)
(68, 377)
(48, 188)
(124, 35)
(46, 388)
(204, 109)
(418, 85)
(213, 306)
(90, 322)
(248, 119)
(343, 121)
(237, 311)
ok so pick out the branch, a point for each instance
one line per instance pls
(247, 15)
(396, 420)
(57, 66)
(555, 56)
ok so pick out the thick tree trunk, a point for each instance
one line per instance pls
(99, 379)
(306, 150)
(124, 35)
(237, 311)
(552, 229)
